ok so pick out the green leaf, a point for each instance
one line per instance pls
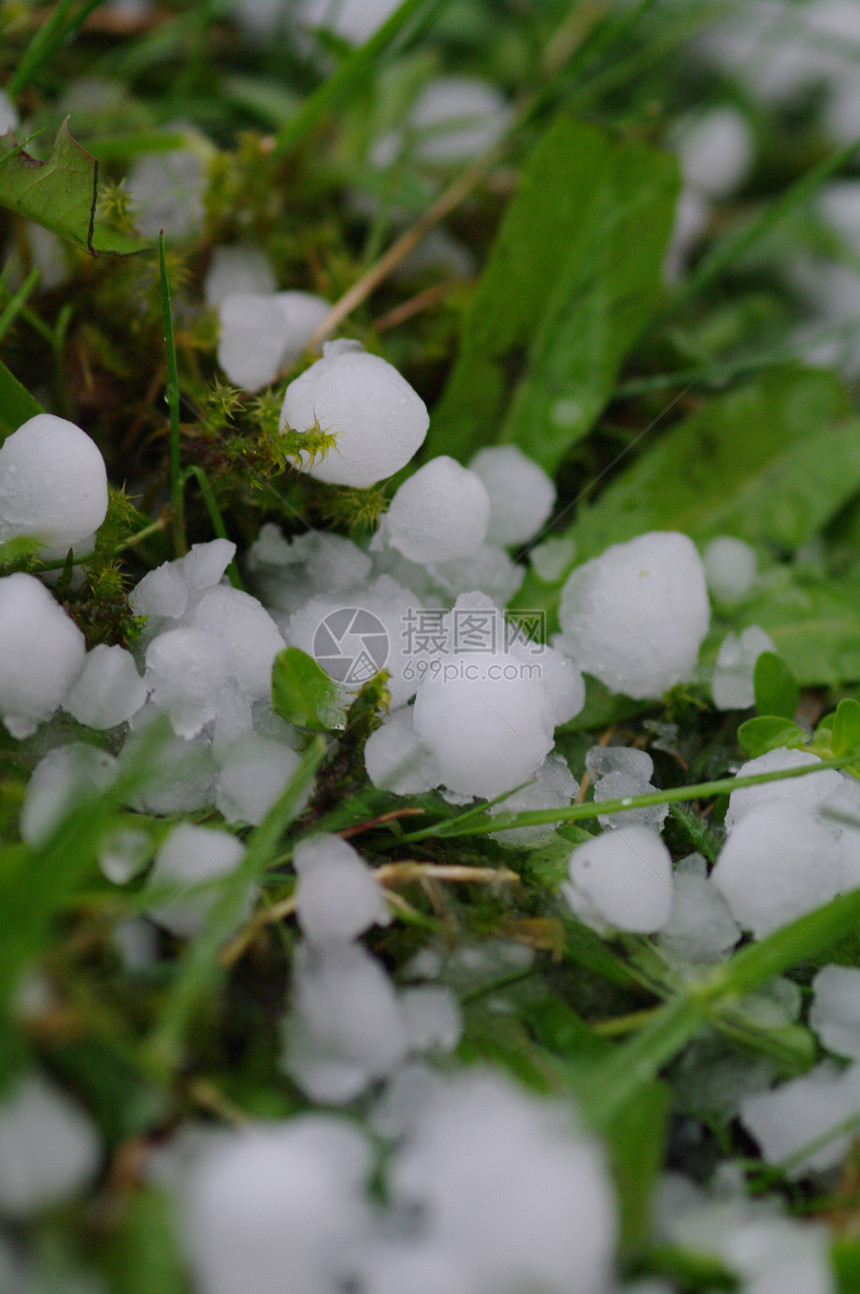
(302, 692)
(845, 735)
(572, 279)
(17, 405)
(776, 690)
(60, 194)
(767, 732)
(769, 463)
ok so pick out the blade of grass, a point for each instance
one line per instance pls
(576, 812)
(736, 244)
(215, 516)
(176, 488)
(16, 303)
(59, 25)
(355, 67)
(199, 972)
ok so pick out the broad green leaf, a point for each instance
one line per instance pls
(16, 404)
(776, 690)
(769, 463)
(572, 279)
(302, 692)
(768, 732)
(845, 734)
(60, 194)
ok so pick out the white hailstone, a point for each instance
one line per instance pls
(174, 588)
(247, 633)
(489, 727)
(620, 772)
(432, 1016)
(730, 568)
(41, 654)
(396, 1264)
(63, 780)
(839, 207)
(337, 895)
(353, 20)
(8, 115)
(564, 683)
(835, 1011)
(522, 496)
(807, 792)
(253, 773)
(237, 268)
(439, 513)
(553, 788)
(506, 1187)
(48, 1148)
(357, 632)
(276, 1206)
(701, 927)
(186, 671)
(123, 854)
(488, 570)
(53, 482)
(692, 214)
(715, 151)
(303, 313)
(773, 1254)
(778, 863)
(109, 689)
(455, 118)
(621, 880)
(732, 683)
(636, 616)
(379, 421)
(136, 943)
(794, 1115)
(167, 189)
(252, 337)
(347, 1029)
(179, 776)
(261, 334)
(395, 759)
(287, 573)
(191, 857)
(48, 253)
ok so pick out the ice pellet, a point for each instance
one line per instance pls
(379, 421)
(636, 616)
(521, 494)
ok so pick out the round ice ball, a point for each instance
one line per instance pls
(489, 726)
(778, 863)
(636, 616)
(730, 568)
(53, 482)
(715, 151)
(41, 654)
(521, 494)
(192, 857)
(623, 879)
(49, 1150)
(379, 421)
(456, 117)
(237, 268)
(439, 513)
